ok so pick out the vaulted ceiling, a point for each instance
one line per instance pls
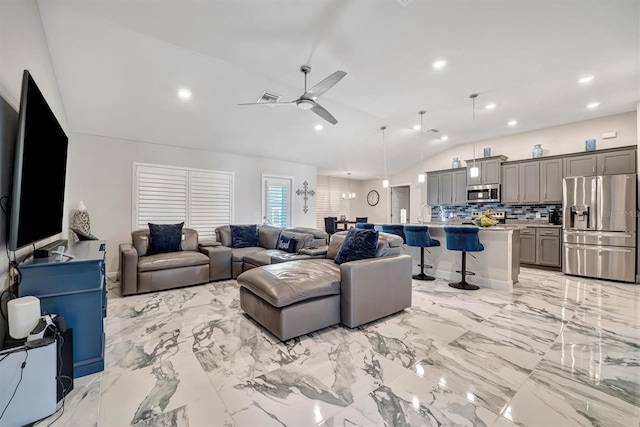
(119, 65)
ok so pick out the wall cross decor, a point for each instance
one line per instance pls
(304, 191)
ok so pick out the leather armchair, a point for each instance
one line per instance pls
(140, 272)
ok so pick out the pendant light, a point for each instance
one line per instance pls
(421, 176)
(474, 172)
(385, 181)
(349, 195)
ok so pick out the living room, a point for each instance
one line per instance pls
(111, 130)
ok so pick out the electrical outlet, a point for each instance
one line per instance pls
(537, 215)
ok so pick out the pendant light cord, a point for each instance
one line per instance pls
(473, 97)
(384, 152)
(421, 136)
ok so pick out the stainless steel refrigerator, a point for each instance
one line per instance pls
(599, 227)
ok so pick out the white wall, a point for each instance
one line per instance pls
(556, 140)
(100, 173)
(23, 46)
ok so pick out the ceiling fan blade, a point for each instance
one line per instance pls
(319, 110)
(326, 84)
(269, 104)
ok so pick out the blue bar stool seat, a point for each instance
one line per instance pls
(418, 236)
(364, 225)
(464, 239)
(397, 229)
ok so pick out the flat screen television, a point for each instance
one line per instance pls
(40, 170)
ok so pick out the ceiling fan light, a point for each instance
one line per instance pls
(304, 104)
(474, 172)
(421, 177)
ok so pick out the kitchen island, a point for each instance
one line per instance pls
(497, 267)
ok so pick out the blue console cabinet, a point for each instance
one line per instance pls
(75, 289)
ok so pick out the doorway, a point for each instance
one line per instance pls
(400, 199)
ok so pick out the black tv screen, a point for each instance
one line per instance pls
(40, 170)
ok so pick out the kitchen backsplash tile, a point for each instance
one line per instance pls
(512, 211)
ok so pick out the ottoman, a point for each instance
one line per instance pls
(292, 298)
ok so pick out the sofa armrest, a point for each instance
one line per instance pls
(314, 252)
(374, 288)
(219, 262)
(208, 243)
(128, 269)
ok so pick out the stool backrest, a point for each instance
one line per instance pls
(418, 236)
(362, 219)
(463, 239)
(330, 224)
(365, 226)
(397, 229)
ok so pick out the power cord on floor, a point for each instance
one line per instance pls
(15, 390)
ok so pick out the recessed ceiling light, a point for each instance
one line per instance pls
(593, 105)
(444, 138)
(184, 93)
(512, 123)
(318, 127)
(440, 63)
(416, 127)
(490, 106)
(586, 79)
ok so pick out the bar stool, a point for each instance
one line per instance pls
(365, 225)
(397, 229)
(418, 236)
(464, 239)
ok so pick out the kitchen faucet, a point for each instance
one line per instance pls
(422, 221)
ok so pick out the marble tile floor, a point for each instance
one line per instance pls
(558, 351)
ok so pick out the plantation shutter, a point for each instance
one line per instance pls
(277, 201)
(201, 199)
(329, 202)
(161, 195)
(209, 201)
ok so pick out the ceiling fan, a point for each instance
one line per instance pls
(307, 101)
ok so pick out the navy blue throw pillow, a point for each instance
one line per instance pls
(288, 244)
(244, 236)
(359, 244)
(164, 238)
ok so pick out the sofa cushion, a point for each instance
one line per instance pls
(359, 244)
(189, 239)
(289, 244)
(171, 260)
(238, 254)
(290, 282)
(261, 258)
(164, 238)
(223, 235)
(140, 240)
(268, 236)
(244, 236)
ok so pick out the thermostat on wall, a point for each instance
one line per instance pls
(609, 135)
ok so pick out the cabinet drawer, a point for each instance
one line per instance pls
(544, 231)
(527, 231)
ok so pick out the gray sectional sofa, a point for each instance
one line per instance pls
(231, 262)
(294, 298)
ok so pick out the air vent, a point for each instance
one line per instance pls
(404, 3)
(268, 97)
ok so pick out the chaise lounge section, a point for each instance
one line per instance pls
(298, 297)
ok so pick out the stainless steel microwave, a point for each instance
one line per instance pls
(483, 193)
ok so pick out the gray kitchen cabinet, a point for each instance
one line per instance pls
(510, 184)
(551, 181)
(548, 247)
(474, 180)
(528, 246)
(580, 166)
(433, 184)
(530, 182)
(617, 162)
(490, 171)
(459, 181)
(445, 189)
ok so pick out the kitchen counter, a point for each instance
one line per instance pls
(497, 267)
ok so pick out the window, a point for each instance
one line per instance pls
(169, 195)
(276, 196)
(329, 202)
